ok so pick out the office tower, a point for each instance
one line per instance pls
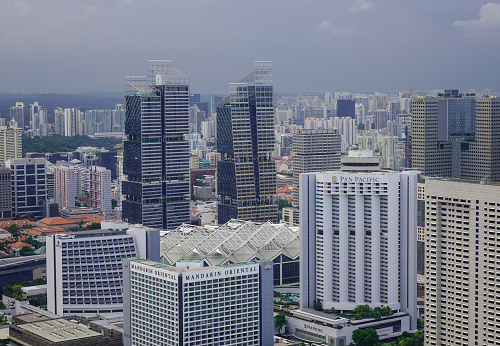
(462, 267)
(429, 154)
(66, 185)
(346, 109)
(246, 175)
(481, 157)
(156, 155)
(191, 305)
(29, 186)
(38, 120)
(11, 145)
(5, 194)
(84, 269)
(314, 151)
(358, 234)
(17, 113)
(100, 189)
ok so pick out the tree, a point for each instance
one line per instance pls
(93, 225)
(279, 321)
(14, 230)
(2, 306)
(365, 337)
(318, 305)
(114, 203)
(282, 203)
(26, 251)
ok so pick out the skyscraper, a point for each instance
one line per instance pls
(156, 155)
(314, 151)
(358, 234)
(430, 154)
(17, 113)
(481, 157)
(100, 189)
(11, 146)
(462, 297)
(38, 119)
(246, 174)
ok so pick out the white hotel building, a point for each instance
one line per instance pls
(359, 240)
(193, 305)
(84, 269)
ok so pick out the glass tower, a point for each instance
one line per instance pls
(245, 138)
(156, 155)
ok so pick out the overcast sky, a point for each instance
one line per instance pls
(315, 45)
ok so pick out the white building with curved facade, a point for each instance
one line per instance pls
(237, 241)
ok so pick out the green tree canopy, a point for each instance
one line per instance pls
(365, 337)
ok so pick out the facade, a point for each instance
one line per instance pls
(100, 189)
(11, 145)
(481, 157)
(156, 155)
(358, 240)
(66, 182)
(29, 186)
(246, 174)
(84, 269)
(314, 151)
(429, 154)
(187, 305)
(462, 266)
(237, 241)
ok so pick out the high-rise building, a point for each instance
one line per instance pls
(72, 122)
(346, 109)
(194, 305)
(246, 174)
(59, 126)
(84, 269)
(481, 157)
(29, 186)
(11, 145)
(314, 151)
(100, 189)
(66, 182)
(429, 154)
(38, 120)
(5, 194)
(17, 113)
(156, 155)
(358, 234)
(462, 295)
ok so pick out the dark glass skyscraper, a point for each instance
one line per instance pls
(156, 155)
(246, 174)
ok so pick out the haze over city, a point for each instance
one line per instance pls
(357, 45)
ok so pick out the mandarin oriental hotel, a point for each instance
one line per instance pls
(188, 304)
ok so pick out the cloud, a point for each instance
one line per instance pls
(487, 27)
(336, 31)
(362, 6)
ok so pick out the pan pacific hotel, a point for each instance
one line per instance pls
(189, 304)
(358, 235)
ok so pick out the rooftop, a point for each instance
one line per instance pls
(58, 330)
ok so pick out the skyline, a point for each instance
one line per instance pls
(357, 45)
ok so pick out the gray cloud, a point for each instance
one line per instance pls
(487, 27)
(91, 45)
(362, 6)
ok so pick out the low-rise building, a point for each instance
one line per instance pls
(319, 327)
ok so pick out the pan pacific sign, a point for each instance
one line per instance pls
(357, 179)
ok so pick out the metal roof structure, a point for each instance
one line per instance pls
(236, 241)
